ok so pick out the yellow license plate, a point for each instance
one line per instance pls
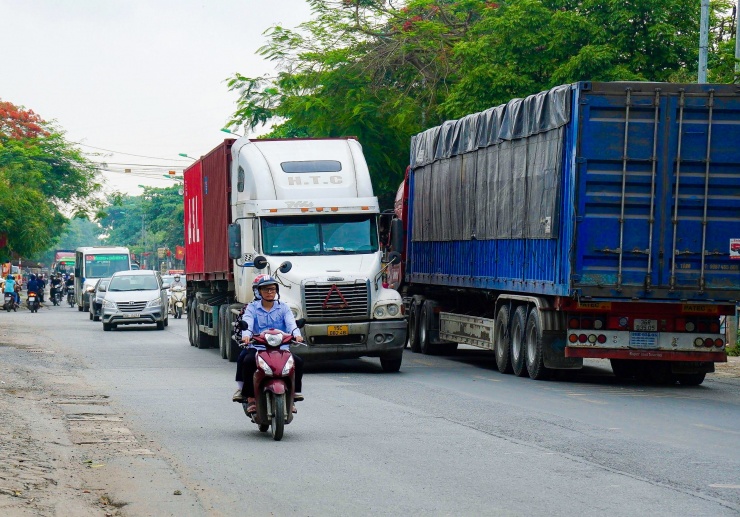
(337, 330)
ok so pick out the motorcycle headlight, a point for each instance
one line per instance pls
(288, 365)
(154, 303)
(108, 304)
(393, 310)
(263, 366)
(379, 311)
(274, 339)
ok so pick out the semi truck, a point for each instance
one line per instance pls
(593, 220)
(302, 210)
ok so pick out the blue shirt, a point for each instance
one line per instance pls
(10, 285)
(260, 319)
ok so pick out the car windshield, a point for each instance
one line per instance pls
(133, 283)
(320, 235)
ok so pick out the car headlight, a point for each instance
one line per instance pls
(274, 339)
(264, 366)
(379, 311)
(155, 303)
(393, 310)
(288, 365)
(108, 304)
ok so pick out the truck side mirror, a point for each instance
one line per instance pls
(260, 262)
(394, 258)
(285, 266)
(397, 235)
(235, 241)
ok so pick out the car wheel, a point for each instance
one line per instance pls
(160, 325)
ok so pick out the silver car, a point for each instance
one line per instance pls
(135, 297)
(96, 298)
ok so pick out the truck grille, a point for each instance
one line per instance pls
(131, 306)
(336, 300)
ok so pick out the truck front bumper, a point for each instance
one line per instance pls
(362, 339)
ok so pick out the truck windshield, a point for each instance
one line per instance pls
(320, 235)
(100, 266)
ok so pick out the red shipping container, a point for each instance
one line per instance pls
(207, 215)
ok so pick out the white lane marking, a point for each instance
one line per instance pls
(712, 428)
(725, 486)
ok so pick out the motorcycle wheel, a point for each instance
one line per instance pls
(178, 313)
(264, 428)
(277, 424)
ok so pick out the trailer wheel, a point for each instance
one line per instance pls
(191, 319)
(223, 330)
(518, 352)
(413, 328)
(690, 379)
(425, 329)
(501, 337)
(533, 342)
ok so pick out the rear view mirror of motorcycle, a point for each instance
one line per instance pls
(300, 323)
(285, 266)
(260, 262)
(243, 325)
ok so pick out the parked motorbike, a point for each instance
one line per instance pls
(33, 302)
(71, 296)
(9, 302)
(177, 301)
(274, 382)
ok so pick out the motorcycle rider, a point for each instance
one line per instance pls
(41, 279)
(10, 288)
(56, 284)
(177, 282)
(265, 312)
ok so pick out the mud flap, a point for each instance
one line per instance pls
(553, 346)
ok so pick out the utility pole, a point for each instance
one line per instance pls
(703, 41)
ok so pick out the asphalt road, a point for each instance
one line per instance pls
(445, 436)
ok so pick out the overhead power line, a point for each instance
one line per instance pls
(127, 154)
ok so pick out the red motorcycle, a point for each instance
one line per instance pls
(274, 383)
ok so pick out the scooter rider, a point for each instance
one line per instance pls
(56, 284)
(265, 312)
(10, 288)
(33, 285)
(177, 282)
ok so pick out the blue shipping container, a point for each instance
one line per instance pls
(603, 190)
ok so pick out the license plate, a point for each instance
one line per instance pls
(337, 330)
(132, 315)
(644, 340)
(646, 326)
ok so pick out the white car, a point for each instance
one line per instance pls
(135, 297)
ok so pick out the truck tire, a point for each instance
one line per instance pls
(233, 350)
(191, 322)
(224, 336)
(535, 356)
(501, 337)
(391, 362)
(690, 379)
(425, 329)
(518, 351)
(413, 328)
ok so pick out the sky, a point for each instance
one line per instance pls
(139, 77)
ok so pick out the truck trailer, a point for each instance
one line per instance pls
(593, 220)
(308, 202)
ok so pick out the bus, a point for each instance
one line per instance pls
(96, 262)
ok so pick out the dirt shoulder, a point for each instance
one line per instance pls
(66, 450)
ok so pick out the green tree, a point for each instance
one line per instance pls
(42, 178)
(382, 73)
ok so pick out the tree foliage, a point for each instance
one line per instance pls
(43, 180)
(147, 222)
(383, 70)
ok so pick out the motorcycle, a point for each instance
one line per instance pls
(71, 296)
(274, 383)
(33, 301)
(56, 295)
(9, 302)
(177, 301)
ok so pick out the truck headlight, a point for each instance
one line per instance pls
(108, 304)
(393, 310)
(379, 311)
(155, 303)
